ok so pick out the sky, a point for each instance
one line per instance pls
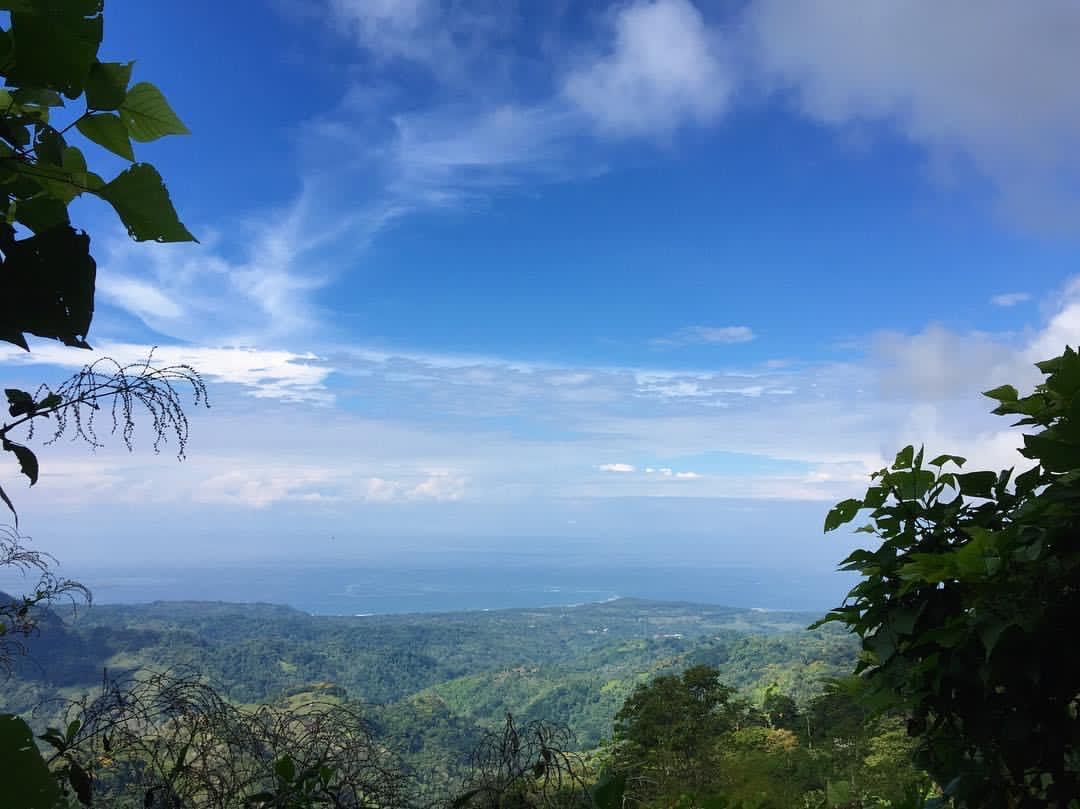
(654, 275)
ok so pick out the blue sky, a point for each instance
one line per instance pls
(605, 270)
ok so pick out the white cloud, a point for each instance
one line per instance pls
(264, 373)
(1062, 330)
(442, 487)
(664, 69)
(1010, 298)
(140, 298)
(992, 82)
(708, 334)
(195, 292)
(489, 430)
(940, 364)
(259, 488)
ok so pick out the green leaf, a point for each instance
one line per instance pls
(140, 199)
(285, 769)
(41, 213)
(148, 116)
(27, 782)
(82, 784)
(841, 513)
(875, 497)
(54, 270)
(908, 486)
(1027, 481)
(1005, 393)
(1054, 455)
(37, 96)
(941, 460)
(106, 85)
(28, 463)
(977, 484)
(904, 458)
(56, 48)
(67, 181)
(49, 146)
(107, 130)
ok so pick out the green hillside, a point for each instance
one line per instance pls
(433, 682)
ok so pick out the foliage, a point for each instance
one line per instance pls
(26, 779)
(76, 404)
(170, 740)
(669, 732)
(439, 682)
(524, 767)
(19, 616)
(689, 740)
(48, 61)
(964, 606)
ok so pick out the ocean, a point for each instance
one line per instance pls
(345, 588)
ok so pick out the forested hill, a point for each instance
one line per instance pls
(574, 665)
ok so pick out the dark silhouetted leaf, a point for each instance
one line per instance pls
(28, 463)
(55, 48)
(20, 403)
(47, 285)
(26, 780)
(106, 85)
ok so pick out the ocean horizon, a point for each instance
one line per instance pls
(380, 589)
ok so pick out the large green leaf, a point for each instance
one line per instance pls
(27, 782)
(107, 130)
(41, 212)
(106, 86)
(142, 202)
(55, 45)
(46, 286)
(67, 181)
(842, 513)
(148, 116)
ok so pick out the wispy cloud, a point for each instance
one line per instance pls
(707, 334)
(262, 373)
(203, 293)
(1010, 298)
(449, 443)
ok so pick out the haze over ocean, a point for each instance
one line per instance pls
(469, 580)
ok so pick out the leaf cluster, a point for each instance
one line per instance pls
(966, 605)
(54, 86)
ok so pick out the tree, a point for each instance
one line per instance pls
(669, 731)
(967, 606)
